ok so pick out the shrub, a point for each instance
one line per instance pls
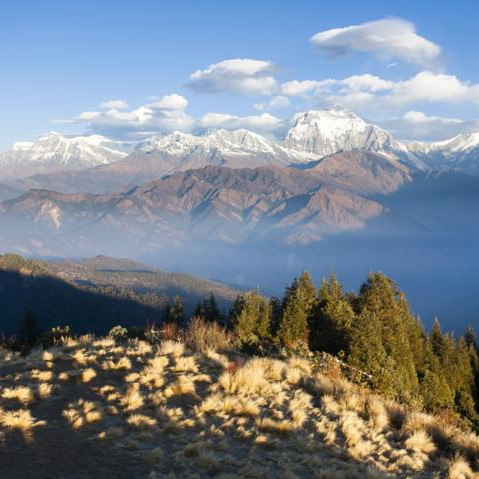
(118, 333)
(56, 335)
(202, 336)
(136, 333)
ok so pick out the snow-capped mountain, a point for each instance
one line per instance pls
(56, 152)
(460, 152)
(239, 148)
(313, 135)
(326, 132)
(239, 142)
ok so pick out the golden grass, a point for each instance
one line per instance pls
(224, 415)
(45, 390)
(174, 348)
(21, 420)
(420, 441)
(459, 468)
(140, 421)
(123, 364)
(22, 394)
(41, 376)
(82, 412)
(87, 375)
(133, 399)
(246, 379)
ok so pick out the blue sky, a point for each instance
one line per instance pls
(417, 74)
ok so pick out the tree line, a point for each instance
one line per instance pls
(374, 331)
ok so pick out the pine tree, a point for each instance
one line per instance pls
(275, 308)
(330, 325)
(380, 295)
(250, 317)
(213, 314)
(435, 391)
(208, 310)
(437, 341)
(176, 312)
(166, 315)
(298, 303)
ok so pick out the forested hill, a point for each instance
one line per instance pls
(93, 295)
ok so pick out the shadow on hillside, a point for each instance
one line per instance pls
(55, 302)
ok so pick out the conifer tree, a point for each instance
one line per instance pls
(275, 308)
(330, 325)
(437, 341)
(298, 303)
(176, 312)
(208, 310)
(435, 391)
(166, 315)
(250, 317)
(380, 295)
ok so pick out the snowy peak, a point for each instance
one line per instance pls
(460, 152)
(328, 131)
(238, 142)
(54, 152)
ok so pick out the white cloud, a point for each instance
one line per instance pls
(164, 115)
(305, 88)
(391, 38)
(367, 82)
(360, 91)
(434, 87)
(241, 75)
(275, 103)
(264, 123)
(170, 102)
(168, 114)
(114, 104)
(416, 125)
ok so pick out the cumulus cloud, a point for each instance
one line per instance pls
(392, 38)
(241, 76)
(114, 104)
(305, 88)
(172, 102)
(433, 87)
(164, 115)
(264, 123)
(275, 103)
(360, 91)
(416, 125)
(168, 114)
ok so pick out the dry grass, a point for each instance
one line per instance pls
(22, 394)
(420, 441)
(202, 336)
(20, 419)
(140, 421)
(88, 374)
(246, 379)
(122, 364)
(167, 408)
(45, 390)
(133, 399)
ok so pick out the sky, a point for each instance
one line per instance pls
(128, 69)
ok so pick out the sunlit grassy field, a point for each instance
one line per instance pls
(97, 408)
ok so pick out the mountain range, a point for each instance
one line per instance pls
(90, 164)
(336, 194)
(55, 152)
